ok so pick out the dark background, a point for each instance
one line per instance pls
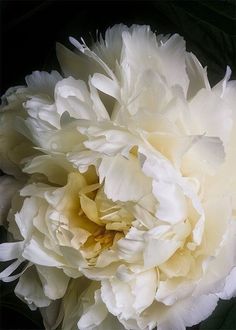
(29, 31)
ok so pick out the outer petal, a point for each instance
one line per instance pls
(54, 281)
(229, 290)
(42, 82)
(210, 116)
(95, 315)
(52, 316)
(142, 52)
(180, 315)
(197, 75)
(29, 289)
(8, 187)
(72, 96)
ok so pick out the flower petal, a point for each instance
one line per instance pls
(118, 173)
(29, 289)
(54, 281)
(8, 187)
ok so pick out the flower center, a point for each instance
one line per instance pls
(95, 221)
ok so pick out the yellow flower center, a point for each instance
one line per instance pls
(95, 222)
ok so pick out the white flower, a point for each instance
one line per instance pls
(127, 210)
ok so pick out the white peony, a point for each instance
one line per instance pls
(123, 202)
